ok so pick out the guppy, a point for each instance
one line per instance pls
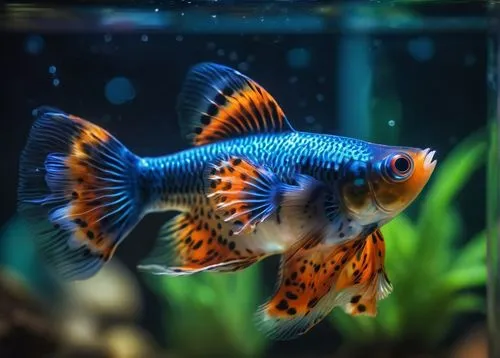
(251, 187)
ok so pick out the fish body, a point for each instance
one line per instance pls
(251, 187)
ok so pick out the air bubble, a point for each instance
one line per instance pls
(391, 123)
(421, 48)
(119, 90)
(220, 52)
(34, 44)
(52, 69)
(320, 97)
(108, 38)
(55, 82)
(243, 66)
(233, 56)
(310, 119)
(298, 58)
(144, 38)
(179, 38)
(470, 60)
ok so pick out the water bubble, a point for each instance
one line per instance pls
(320, 97)
(52, 69)
(376, 44)
(106, 118)
(179, 38)
(214, 16)
(119, 90)
(56, 82)
(491, 80)
(298, 58)
(156, 10)
(233, 56)
(243, 66)
(34, 44)
(391, 123)
(220, 52)
(108, 38)
(421, 48)
(470, 60)
(144, 38)
(318, 128)
(310, 119)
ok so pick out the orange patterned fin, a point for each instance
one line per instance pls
(304, 294)
(78, 186)
(200, 241)
(364, 277)
(243, 192)
(315, 280)
(218, 102)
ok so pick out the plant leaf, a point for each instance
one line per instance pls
(465, 303)
(472, 253)
(450, 177)
(466, 277)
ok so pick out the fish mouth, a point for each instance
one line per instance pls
(429, 161)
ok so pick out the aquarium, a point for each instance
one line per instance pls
(403, 74)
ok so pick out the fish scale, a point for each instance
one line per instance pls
(318, 155)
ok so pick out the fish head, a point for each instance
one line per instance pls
(377, 190)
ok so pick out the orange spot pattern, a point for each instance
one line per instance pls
(309, 275)
(232, 193)
(85, 189)
(201, 239)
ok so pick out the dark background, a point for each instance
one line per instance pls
(443, 99)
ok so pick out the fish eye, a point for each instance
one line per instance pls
(399, 167)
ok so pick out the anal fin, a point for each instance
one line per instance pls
(200, 241)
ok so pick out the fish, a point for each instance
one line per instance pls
(250, 186)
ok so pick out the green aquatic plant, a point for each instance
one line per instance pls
(434, 275)
(211, 314)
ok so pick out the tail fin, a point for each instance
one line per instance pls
(79, 188)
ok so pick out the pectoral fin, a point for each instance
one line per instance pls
(246, 194)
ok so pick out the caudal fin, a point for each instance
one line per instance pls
(78, 187)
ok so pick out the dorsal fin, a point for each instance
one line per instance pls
(218, 102)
